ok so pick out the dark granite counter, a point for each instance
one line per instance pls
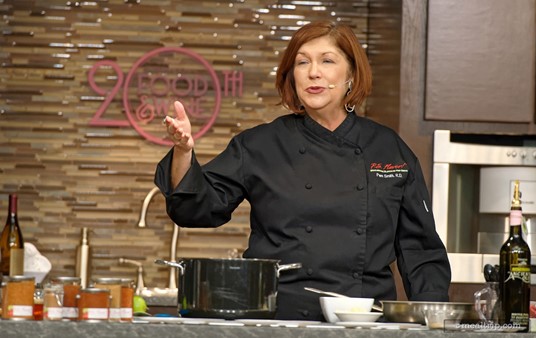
(224, 329)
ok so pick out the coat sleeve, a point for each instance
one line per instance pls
(421, 256)
(207, 195)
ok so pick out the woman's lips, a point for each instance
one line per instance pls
(315, 89)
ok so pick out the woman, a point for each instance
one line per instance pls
(336, 192)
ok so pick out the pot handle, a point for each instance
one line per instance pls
(287, 267)
(172, 264)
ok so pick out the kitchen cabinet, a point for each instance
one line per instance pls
(480, 60)
(418, 119)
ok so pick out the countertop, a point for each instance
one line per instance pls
(218, 328)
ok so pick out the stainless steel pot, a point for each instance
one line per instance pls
(229, 288)
(413, 312)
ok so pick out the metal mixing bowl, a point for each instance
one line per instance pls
(413, 312)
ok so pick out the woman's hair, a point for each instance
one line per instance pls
(346, 40)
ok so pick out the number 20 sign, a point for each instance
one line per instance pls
(154, 82)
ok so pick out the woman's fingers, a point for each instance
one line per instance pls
(178, 127)
(180, 112)
(181, 138)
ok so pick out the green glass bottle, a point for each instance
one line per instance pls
(514, 271)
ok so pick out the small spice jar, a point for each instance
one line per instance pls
(38, 302)
(127, 299)
(93, 304)
(18, 298)
(71, 288)
(114, 285)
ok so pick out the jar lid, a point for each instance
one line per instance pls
(94, 290)
(20, 278)
(106, 280)
(66, 279)
(127, 281)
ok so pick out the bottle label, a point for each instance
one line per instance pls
(520, 272)
(95, 313)
(16, 262)
(126, 312)
(516, 217)
(70, 312)
(115, 313)
(521, 319)
(15, 311)
(53, 313)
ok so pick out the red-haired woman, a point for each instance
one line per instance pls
(334, 191)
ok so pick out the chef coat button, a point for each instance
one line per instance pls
(308, 186)
(308, 228)
(358, 151)
(355, 275)
(302, 150)
(359, 231)
(305, 313)
(309, 271)
(360, 187)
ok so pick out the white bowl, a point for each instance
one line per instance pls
(364, 317)
(330, 305)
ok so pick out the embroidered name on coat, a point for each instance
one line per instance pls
(389, 170)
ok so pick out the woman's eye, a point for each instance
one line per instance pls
(301, 62)
(327, 61)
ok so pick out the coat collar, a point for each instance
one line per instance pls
(347, 132)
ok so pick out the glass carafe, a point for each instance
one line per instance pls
(487, 303)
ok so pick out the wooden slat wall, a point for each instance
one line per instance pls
(384, 37)
(69, 174)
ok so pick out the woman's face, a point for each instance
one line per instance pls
(321, 75)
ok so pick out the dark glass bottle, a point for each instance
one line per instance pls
(12, 243)
(514, 270)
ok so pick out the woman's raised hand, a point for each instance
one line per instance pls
(179, 129)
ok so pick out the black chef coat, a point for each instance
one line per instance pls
(344, 203)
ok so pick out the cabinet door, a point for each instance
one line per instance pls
(480, 60)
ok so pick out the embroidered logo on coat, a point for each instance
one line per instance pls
(388, 170)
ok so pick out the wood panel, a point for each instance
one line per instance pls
(480, 60)
(384, 38)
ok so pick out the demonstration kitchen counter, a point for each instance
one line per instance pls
(18, 329)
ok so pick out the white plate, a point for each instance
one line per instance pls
(161, 320)
(380, 325)
(350, 316)
(174, 320)
(258, 322)
(275, 322)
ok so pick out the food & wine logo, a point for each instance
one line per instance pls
(154, 82)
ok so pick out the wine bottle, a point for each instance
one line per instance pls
(514, 270)
(12, 243)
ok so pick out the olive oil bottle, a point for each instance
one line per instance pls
(514, 270)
